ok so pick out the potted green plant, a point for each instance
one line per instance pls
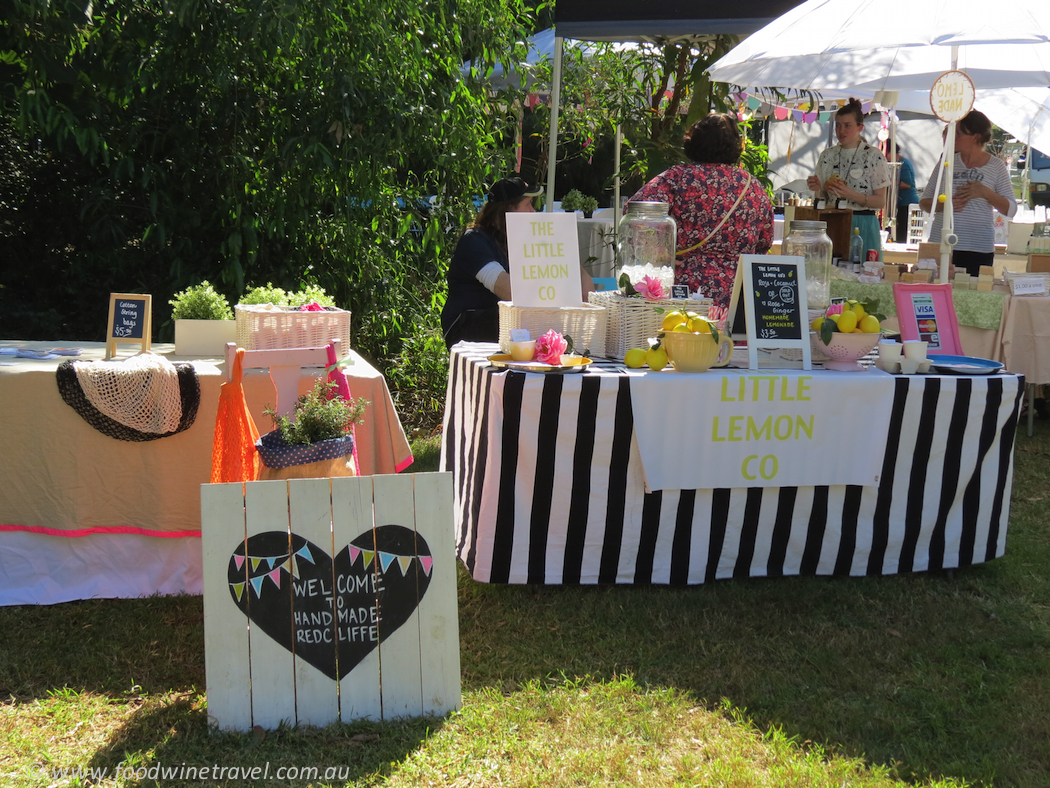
(271, 317)
(203, 321)
(316, 441)
(575, 200)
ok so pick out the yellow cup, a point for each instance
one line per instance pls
(523, 351)
(697, 352)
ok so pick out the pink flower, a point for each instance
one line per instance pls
(549, 348)
(836, 309)
(311, 307)
(650, 288)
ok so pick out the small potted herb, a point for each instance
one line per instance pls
(576, 200)
(203, 321)
(316, 441)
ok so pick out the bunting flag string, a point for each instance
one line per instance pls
(274, 565)
(801, 112)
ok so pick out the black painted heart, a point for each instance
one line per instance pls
(331, 614)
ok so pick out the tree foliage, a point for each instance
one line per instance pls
(151, 144)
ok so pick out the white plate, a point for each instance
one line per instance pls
(964, 365)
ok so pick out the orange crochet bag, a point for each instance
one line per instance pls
(234, 457)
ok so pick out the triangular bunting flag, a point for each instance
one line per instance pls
(238, 589)
(825, 117)
(405, 561)
(275, 576)
(385, 559)
(257, 584)
(238, 561)
(255, 563)
(304, 552)
(754, 103)
(427, 562)
(295, 567)
(354, 553)
(781, 113)
(369, 555)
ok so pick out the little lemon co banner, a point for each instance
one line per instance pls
(743, 428)
(544, 259)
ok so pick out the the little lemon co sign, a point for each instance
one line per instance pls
(544, 259)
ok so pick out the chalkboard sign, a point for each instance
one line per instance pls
(130, 321)
(773, 291)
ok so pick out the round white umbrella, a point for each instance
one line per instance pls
(896, 45)
(839, 45)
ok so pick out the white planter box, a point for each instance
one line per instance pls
(204, 338)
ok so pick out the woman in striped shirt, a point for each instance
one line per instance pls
(981, 182)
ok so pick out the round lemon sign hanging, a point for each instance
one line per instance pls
(951, 97)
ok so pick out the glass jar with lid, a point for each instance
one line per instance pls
(809, 240)
(647, 236)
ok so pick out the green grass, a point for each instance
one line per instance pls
(928, 679)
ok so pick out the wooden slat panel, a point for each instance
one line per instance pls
(228, 678)
(316, 694)
(359, 690)
(438, 610)
(273, 671)
(399, 654)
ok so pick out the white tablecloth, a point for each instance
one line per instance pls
(549, 487)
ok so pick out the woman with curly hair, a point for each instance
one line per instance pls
(722, 211)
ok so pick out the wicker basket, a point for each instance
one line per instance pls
(1012, 276)
(630, 322)
(584, 323)
(288, 328)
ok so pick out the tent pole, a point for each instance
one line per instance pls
(948, 237)
(617, 141)
(552, 144)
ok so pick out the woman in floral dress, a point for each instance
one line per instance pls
(721, 210)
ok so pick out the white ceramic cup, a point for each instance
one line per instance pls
(890, 351)
(915, 350)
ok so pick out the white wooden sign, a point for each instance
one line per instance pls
(544, 259)
(773, 289)
(329, 599)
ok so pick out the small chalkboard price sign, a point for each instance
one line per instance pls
(130, 321)
(773, 289)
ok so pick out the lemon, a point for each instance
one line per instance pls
(682, 327)
(848, 322)
(672, 319)
(634, 358)
(656, 358)
(816, 324)
(869, 324)
(859, 311)
(835, 318)
(699, 325)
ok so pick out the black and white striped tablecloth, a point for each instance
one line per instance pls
(549, 487)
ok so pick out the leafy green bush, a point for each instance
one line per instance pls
(200, 302)
(278, 296)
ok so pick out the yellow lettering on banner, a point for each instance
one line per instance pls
(715, 437)
(542, 228)
(546, 250)
(748, 428)
(768, 467)
(768, 392)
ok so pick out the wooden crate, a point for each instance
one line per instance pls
(343, 580)
(1038, 263)
(838, 220)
